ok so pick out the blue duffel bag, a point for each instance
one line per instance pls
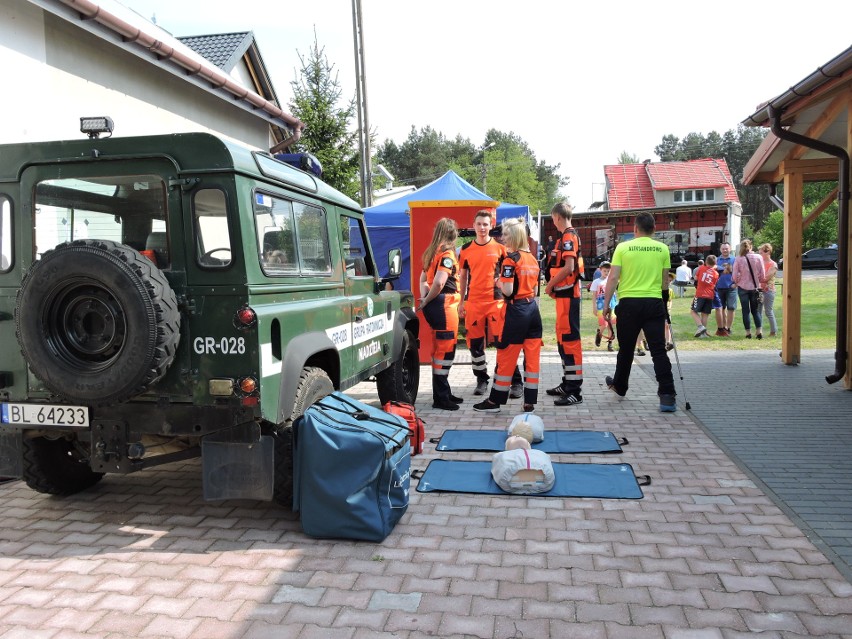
(352, 469)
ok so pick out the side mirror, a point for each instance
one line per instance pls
(394, 262)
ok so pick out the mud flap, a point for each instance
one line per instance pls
(11, 454)
(238, 463)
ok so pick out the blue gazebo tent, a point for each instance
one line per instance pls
(389, 223)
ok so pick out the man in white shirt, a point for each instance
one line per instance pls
(683, 276)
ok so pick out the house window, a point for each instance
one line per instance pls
(694, 195)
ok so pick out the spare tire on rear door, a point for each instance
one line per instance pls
(97, 322)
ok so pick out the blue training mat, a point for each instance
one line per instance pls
(555, 441)
(604, 481)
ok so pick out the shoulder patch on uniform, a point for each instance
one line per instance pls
(508, 270)
(447, 262)
(568, 245)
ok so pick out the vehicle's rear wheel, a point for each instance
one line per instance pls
(97, 322)
(401, 381)
(57, 466)
(835, 265)
(314, 384)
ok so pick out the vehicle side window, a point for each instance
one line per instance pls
(292, 237)
(213, 241)
(355, 248)
(5, 234)
(312, 235)
(276, 239)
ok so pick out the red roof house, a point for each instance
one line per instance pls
(654, 184)
(695, 205)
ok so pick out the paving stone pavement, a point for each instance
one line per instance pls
(788, 428)
(706, 554)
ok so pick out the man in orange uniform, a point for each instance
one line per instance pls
(481, 305)
(519, 278)
(564, 286)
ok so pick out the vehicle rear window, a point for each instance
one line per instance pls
(126, 209)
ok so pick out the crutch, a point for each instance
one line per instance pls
(677, 359)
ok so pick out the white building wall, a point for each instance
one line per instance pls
(735, 224)
(56, 72)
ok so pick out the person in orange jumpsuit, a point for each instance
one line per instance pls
(519, 279)
(439, 303)
(564, 285)
(481, 305)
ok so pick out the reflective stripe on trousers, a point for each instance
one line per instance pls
(507, 360)
(568, 342)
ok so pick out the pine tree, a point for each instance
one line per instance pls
(327, 134)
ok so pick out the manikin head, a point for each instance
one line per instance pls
(514, 442)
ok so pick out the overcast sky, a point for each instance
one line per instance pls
(579, 81)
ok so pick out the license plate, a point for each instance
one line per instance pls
(44, 415)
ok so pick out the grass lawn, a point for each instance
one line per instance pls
(819, 313)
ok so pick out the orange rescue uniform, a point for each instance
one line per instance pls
(567, 293)
(521, 328)
(483, 301)
(442, 315)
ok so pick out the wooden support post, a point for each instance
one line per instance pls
(791, 349)
(847, 380)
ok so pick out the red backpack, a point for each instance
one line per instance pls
(416, 426)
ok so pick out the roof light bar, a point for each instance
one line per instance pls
(94, 126)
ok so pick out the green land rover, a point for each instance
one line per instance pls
(178, 296)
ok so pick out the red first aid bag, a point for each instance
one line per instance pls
(416, 426)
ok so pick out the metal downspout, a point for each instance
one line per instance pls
(840, 353)
(777, 201)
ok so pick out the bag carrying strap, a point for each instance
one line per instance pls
(361, 415)
(753, 278)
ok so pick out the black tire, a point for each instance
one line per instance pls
(400, 382)
(57, 466)
(835, 264)
(314, 384)
(97, 322)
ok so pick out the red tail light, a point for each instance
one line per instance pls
(245, 317)
(248, 385)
